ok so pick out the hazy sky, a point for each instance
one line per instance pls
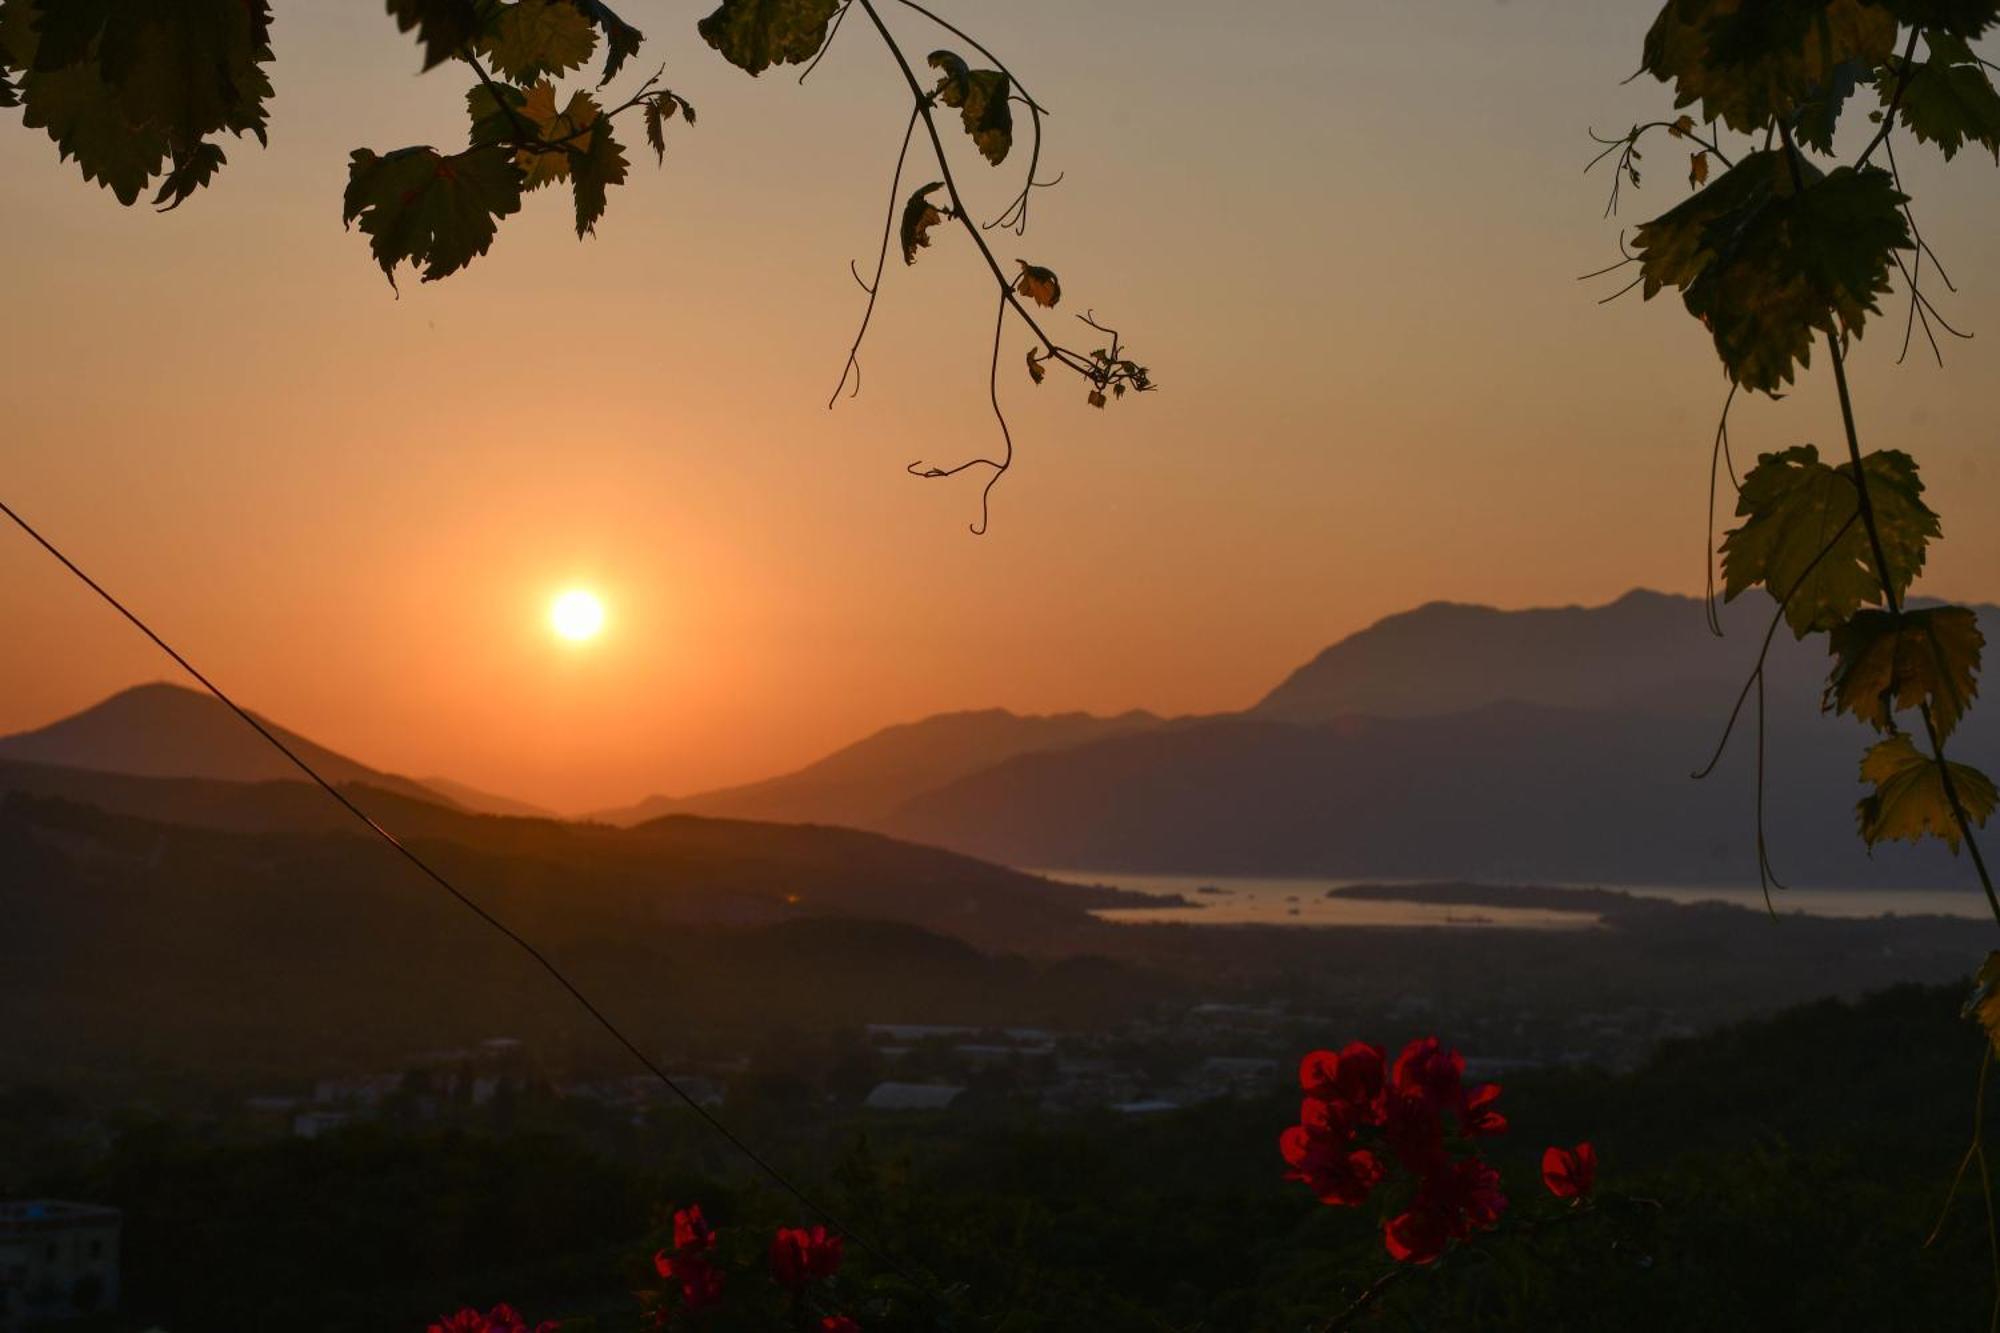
(1343, 233)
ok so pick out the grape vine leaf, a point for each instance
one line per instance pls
(129, 90)
(191, 171)
(754, 35)
(1819, 111)
(598, 166)
(438, 212)
(530, 38)
(621, 39)
(1698, 169)
(1038, 284)
(1947, 99)
(1883, 662)
(1748, 63)
(1909, 800)
(1036, 370)
(1960, 18)
(9, 95)
(1803, 540)
(919, 216)
(1763, 261)
(980, 95)
(1983, 1005)
(659, 109)
(445, 27)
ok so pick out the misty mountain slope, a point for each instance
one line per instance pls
(1506, 792)
(163, 730)
(1646, 650)
(860, 784)
(484, 802)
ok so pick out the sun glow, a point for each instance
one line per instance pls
(577, 615)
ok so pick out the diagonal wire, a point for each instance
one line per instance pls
(464, 900)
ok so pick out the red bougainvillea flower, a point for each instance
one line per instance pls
(838, 1323)
(1415, 1237)
(1429, 1071)
(1478, 1116)
(1570, 1173)
(799, 1256)
(1450, 1205)
(701, 1281)
(691, 1230)
(1337, 1173)
(1349, 1082)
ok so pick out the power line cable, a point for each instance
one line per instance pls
(431, 873)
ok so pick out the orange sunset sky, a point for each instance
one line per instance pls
(1342, 233)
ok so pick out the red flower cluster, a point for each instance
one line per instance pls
(800, 1256)
(1570, 1173)
(1360, 1115)
(502, 1318)
(689, 1264)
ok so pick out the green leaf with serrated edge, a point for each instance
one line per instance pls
(919, 216)
(1960, 18)
(1801, 534)
(191, 171)
(1983, 1005)
(1924, 658)
(530, 38)
(1750, 63)
(9, 95)
(493, 111)
(1909, 800)
(438, 212)
(592, 172)
(1947, 99)
(621, 39)
(445, 27)
(1819, 111)
(128, 91)
(980, 95)
(1763, 263)
(754, 35)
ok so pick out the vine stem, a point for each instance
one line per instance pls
(1865, 506)
(972, 228)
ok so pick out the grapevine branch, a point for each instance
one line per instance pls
(1865, 507)
(1104, 369)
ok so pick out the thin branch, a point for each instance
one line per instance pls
(874, 289)
(1708, 545)
(1903, 76)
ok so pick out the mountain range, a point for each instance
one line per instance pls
(1449, 741)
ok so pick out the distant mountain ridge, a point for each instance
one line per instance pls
(864, 783)
(166, 731)
(1449, 741)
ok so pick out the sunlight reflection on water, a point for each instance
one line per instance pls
(1234, 900)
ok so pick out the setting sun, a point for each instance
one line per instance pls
(577, 615)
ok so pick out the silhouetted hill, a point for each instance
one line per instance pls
(679, 868)
(861, 784)
(163, 730)
(1509, 791)
(144, 943)
(1647, 650)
